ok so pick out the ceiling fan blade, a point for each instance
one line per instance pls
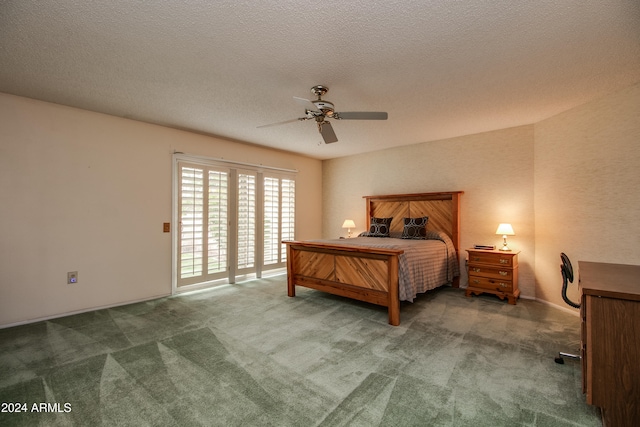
(326, 130)
(308, 105)
(361, 115)
(282, 123)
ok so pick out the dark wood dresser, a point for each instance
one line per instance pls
(610, 314)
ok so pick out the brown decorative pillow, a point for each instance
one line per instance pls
(415, 228)
(380, 227)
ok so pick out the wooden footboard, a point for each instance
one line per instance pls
(365, 274)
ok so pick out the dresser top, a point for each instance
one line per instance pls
(620, 281)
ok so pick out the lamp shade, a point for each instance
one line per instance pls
(348, 223)
(505, 230)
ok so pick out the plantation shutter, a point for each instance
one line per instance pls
(288, 214)
(246, 220)
(191, 220)
(203, 238)
(279, 218)
(271, 220)
(217, 222)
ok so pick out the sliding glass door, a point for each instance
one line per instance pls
(231, 221)
(203, 224)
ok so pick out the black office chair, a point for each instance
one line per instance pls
(567, 276)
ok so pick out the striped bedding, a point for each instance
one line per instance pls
(424, 265)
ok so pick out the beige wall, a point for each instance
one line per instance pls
(494, 169)
(566, 184)
(87, 192)
(587, 188)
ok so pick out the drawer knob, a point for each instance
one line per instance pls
(504, 261)
(476, 258)
(476, 269)
(503, 285)
(504, 273)
(476, 281)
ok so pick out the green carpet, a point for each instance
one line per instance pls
(248, 355)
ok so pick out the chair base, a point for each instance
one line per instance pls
(561, 356)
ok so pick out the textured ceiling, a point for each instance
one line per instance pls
(439, 68)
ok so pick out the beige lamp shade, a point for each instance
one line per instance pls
(504, 230)
(348, 223)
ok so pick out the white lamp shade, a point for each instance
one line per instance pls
(348, 223)
(505, 230)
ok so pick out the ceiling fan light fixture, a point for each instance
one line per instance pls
(326, 107)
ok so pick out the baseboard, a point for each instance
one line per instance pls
(559, 307)
(86, 310)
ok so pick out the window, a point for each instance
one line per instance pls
(231, 220)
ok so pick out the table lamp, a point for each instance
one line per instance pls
(505, 230)
(348, 224)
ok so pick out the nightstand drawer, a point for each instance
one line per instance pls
(493, 273)
(490, 284)
(491, 258)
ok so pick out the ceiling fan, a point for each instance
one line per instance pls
(320, 110)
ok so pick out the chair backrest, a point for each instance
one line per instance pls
(566, 268)
(567, 276)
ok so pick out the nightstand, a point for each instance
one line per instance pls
(493, 272)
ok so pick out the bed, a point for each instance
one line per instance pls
(385, 270)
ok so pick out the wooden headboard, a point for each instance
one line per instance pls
(443, 210)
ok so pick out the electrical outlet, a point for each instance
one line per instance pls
(166, 227)
(72, 277)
